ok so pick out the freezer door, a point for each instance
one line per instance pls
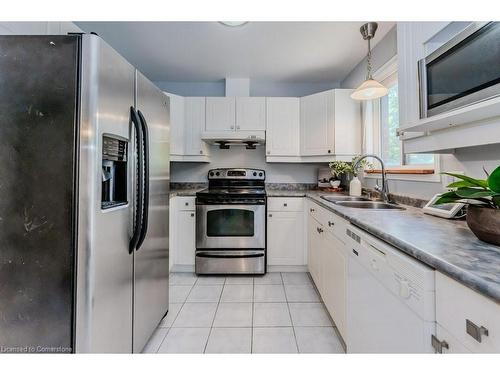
(38, 89)
(151, 257)
(104, 264)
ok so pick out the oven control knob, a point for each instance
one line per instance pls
(260, 174)
(211, 173)
(255, 174)
(217, 173)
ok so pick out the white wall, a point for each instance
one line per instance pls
(240, 157)
(469, 160)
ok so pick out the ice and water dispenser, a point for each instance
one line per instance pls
(114, 172)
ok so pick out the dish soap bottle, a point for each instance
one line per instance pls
(355, 187)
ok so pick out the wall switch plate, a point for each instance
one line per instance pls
(446, 179)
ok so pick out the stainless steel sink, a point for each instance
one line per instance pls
(343, 198)
(371, 205)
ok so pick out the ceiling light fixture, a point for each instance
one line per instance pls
(370, 89)
(233, 23)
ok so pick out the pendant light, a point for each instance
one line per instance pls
(370, 89)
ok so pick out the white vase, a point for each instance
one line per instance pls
(355, 187)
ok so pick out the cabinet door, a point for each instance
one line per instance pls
(283, 127)
(176, 124)
(185, 244)
(194, 118)
(314, 243)
(285, 238)
(334, 280)
(221, 114)
(250, 113)
(347, 123)
(454, 346)
(317, 124)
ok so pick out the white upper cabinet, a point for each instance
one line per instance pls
(330, 124)
(347, 124)
(221, 114)
(176, 124)
(283, 127)
(251, 113)
(194, 119)
(317, 124)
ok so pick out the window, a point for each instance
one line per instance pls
(391, 147)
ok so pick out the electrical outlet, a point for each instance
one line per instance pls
(446, 179)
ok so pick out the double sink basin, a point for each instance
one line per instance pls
(360, 202)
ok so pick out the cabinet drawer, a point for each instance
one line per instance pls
(464, 313)
(285, 204)
(186, 203)
(332, 222)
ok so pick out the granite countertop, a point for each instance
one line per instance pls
(445, 245)
(184, 192)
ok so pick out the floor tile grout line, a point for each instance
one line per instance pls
(215, 314)
(252, 323)
(176, 315)
(290, 314)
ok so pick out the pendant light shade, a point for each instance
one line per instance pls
(370, 89)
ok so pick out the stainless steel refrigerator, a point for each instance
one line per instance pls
(84, 194)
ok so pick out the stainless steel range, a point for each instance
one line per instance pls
(231, 223)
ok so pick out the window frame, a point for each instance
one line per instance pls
(384, 72)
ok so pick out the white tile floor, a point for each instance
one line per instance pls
(274, 313)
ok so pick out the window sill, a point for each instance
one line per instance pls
(406, 174)
(418, 171)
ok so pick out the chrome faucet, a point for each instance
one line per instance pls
(384, 190)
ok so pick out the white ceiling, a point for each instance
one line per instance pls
(269, 51)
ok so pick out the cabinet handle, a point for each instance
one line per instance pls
(285, 204)
(329, 151)
(475, 331)
(201, 152)
(331, 223)
(237, 127)
(192, 214)
(232, 127)
(319, 230)
(186, 204)
(438, 345)
(270, 215)
(269, 152)
(311, 210)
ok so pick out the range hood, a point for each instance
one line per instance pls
(225, 140)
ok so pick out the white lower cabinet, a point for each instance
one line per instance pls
(182, 231)
(334, 280)
(314, 244)
(327, 262)
(448, 343)
(471, 318)
(285, 232)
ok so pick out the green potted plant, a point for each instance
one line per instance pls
(483, 199)
(339, 169)
(344, 170)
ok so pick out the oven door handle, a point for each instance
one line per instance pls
(229, 254)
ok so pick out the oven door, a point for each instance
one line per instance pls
(230, 226)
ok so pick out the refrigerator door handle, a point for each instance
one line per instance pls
(145, 208)
(140, 181)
